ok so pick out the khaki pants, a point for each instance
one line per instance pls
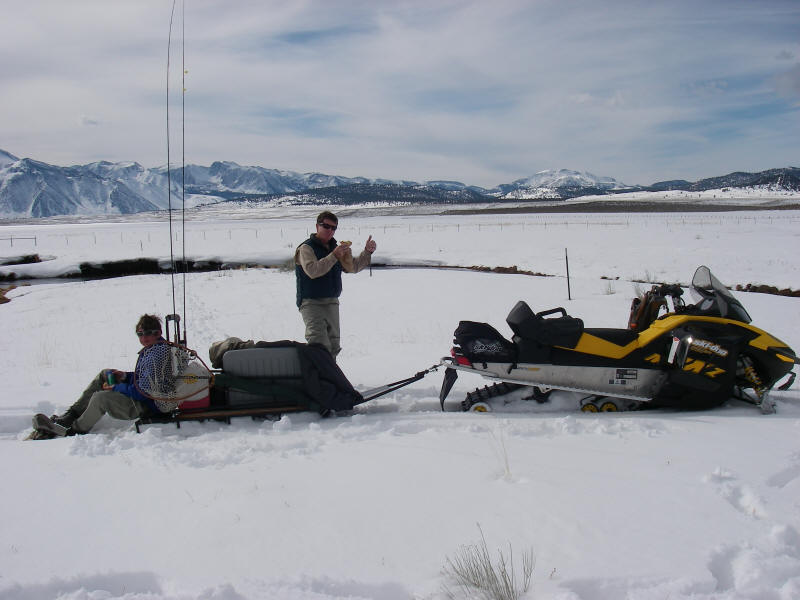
(96, 402)
(321, 317)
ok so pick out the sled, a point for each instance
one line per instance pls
(274, 378)
(672, 355)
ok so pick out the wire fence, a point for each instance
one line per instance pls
(11, 239)
(147, 238)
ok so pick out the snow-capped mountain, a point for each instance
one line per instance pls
(30, 188)
(565, 178)
(6, 158)
(227, 178)
(562, 183)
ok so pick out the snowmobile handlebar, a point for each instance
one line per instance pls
(668, 289)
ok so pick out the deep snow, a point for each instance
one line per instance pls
(633, 505)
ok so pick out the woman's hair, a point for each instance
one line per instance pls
(148, 322)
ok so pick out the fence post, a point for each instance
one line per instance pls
(566, 259)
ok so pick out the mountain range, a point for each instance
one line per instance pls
(30, 188)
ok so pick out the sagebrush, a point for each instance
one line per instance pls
(476, 576)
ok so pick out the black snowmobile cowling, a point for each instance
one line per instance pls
(691, 357)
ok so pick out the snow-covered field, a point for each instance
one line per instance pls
(650, 506)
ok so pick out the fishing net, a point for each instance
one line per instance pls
(170, 374)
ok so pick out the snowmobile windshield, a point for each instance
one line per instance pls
(715, 299)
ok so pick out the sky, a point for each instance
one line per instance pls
(479, 92)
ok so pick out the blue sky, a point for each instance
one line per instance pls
(476, 91)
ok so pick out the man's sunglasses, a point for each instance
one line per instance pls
(144, 332)
(326, 226)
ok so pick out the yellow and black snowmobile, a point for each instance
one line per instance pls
(672, 355)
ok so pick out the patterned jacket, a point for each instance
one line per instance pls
(151, 380)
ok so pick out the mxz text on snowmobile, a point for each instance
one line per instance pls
(694, 356)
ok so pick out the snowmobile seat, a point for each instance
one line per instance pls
(620, 337)
(564, 331)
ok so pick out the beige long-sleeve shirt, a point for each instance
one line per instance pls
(305, 257)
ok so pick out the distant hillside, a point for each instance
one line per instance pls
(364, 193)
(785, 179)
(31, 189)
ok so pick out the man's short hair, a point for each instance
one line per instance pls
(326, 214)
(148, 323)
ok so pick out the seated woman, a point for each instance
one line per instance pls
(124, 399)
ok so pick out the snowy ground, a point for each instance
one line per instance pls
(370, 505)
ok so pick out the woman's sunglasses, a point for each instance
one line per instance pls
(144, 332)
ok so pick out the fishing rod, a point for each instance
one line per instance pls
(174, 316)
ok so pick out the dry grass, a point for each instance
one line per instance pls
(3, 292)
(475, 576)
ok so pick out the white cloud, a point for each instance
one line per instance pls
(788, 82)
(470, 90)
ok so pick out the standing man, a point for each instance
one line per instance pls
(319, 262)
